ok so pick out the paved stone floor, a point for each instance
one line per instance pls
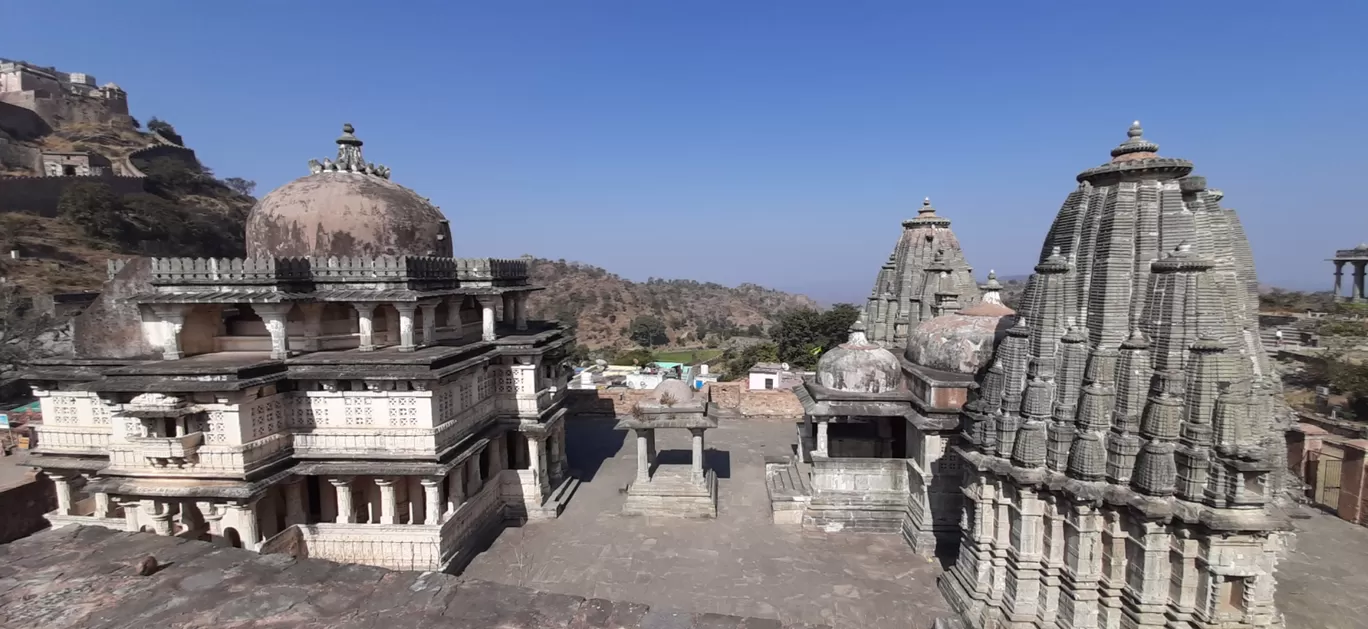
(738, 564)
(1323, 581)
(13, 470)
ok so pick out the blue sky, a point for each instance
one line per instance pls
(773, 142)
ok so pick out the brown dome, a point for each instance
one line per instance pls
(963, 341)
(346, 208)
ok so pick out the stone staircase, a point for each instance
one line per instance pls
(786, 480)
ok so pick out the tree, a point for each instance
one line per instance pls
(164, 129)
(802, 335)
(94, 208)
(647, 331)
(169, 176)
(736, 364)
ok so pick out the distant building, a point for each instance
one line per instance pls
(74, 164)
(772, 376)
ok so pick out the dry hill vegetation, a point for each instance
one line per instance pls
(184, 211)
(603, 307)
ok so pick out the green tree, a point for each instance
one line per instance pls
(802, 335)
(164, 129)
(735, 364)
(647, 331)
(244, 187)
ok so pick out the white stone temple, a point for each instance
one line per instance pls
(349, 391)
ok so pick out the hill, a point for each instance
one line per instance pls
(602, 305)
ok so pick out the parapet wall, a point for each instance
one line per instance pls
(39, 195)
(735, 397)
(22, 508)
(160, 151)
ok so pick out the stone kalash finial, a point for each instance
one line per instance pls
(857, 336)
(926, 214)
(992, 291)
(1135, 146)
(349, 159)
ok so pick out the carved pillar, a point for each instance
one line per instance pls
(455, 488)
(130, 509)
(487, 317)
(173, 319)
(213, 517)
(643, 456)
(64, 502)
(247, 525)
(429, 322)
(274, 316)
(388, 505)
(520, 311)
(103, 508)
(432, 499)
(406, 311)
(345, 512)
(1339, 277)
(821, 437)
(453, 305)
(696, 461)
(295, 502)
(365, 324)
(313, 326)
(534, 447)
(507, 308)
(1358, 281)
(161, 516)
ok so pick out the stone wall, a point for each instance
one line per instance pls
(39, 195)
(22, 123)
(607, 402)
(66, 108)
(757, 403)
(22, 508)
(143, 156)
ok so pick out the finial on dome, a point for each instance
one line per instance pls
(857, 334)
(1135, 146)
(926, 207)
(992, 289)
(349, 157)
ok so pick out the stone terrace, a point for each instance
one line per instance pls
(85, 577)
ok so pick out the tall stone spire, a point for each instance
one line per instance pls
(1133, 413)
(901, 297)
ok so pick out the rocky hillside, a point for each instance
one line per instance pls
(602, 305)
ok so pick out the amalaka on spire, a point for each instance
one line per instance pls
(1135, 146)
(349, 157)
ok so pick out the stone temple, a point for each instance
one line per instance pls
(349, 391)
(1119, 457)
(917, 282)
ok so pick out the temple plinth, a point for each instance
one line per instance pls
(670, 490)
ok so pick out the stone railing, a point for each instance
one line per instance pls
(211, 460)
(72, 440)
(393, 546)
(182, 449)
(1351, 253)
(474, 516)
(178, 271)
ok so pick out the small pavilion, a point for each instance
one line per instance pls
(666, 489)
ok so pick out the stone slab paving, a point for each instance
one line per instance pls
(85, 577)
(738, 564)
(1323, 580)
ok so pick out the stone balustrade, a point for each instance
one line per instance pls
(211, 460)
(72, 439)
(182, 271)
(161, 450)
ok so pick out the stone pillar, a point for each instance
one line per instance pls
(821, 438)
(172, 319)
(432, 499)
(487, 317)
(191, 516)
(534, 447)
(365, 326)
(696, 460)
(213, 517)
(274, 315)
(313, 326)
(130, 509)
(507, 308)
(453, 305)
(650, 447)
(643, 456)
(388, 506)
(296, 504)
(520, 311)
(161, 516)
(455, 488)
(103, 508)
(474, 482)
(1339, 277)
(247, 525)
(345, 512)
(1358, 281)
(64, 502)
(429, 322)
(406, 311)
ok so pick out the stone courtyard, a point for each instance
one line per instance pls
(739, 564)
(742, 564)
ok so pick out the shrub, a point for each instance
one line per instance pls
(94, 208)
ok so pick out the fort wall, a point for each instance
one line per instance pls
(39, 195)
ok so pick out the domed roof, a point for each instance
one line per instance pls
(346, 208)
(859, 366)
(678, 391)
(962, 341)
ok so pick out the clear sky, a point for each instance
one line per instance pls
(775, 142)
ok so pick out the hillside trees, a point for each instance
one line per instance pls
(647, 331)
(801, 335)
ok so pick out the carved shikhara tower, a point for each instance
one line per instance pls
(925, 276)
(1118, 457)
(345, 393)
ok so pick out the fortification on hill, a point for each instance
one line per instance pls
(62, 97)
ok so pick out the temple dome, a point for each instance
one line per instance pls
(676, 389)
(962, 341)
(346, 208)
(859, 366)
